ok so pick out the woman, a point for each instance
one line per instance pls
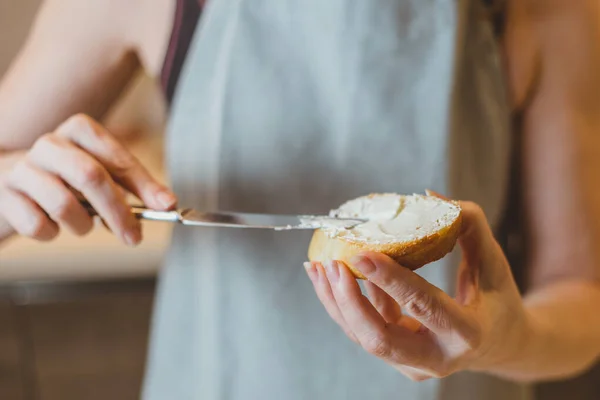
(293, 106)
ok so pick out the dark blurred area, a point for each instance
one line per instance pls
(75, 314)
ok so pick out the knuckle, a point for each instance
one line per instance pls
(62, 207)
(398, 287)
(418, 303)
(45, 142)
(90, 175)
(123, 162)
(77, 121)
(377, 345)
(78, 124)
(423, 305)
(15, 175)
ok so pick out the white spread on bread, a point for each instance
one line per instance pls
(393, 218)
(321, 222)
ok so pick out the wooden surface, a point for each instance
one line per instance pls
(89, 346)
(12, 379)
(91, 349)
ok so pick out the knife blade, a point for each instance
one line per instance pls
(224, 219)
(263, 221)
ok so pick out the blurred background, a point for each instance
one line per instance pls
(75, 313)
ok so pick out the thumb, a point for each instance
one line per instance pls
(475, 238)
(481, 253)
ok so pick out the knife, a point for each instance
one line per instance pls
(222, 219)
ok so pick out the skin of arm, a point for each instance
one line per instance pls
(76, 61)
(562, 169)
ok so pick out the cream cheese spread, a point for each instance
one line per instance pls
(393, 218)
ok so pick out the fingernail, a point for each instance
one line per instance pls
(166, 199)
(310, 270)
(332, 271)
(133, 236)
(364, 264)
(130, 239)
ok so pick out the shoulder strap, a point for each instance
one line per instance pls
(187, 15)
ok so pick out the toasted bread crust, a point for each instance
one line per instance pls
(412, 255)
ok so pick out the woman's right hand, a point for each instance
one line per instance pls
(79, 160)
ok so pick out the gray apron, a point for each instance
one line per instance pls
(294, 106)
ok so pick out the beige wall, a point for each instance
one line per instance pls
(15, 19)
(141, 108)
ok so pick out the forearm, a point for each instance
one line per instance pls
(562, 336)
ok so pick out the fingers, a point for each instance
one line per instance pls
(395, 344)
(51, 194)
(385, 305)
(483, 259)
(316, 273)
(476, 238)
(390, 342)
(426, 303)
(26, 217)
(81, 160)
(86, 175)
(389, 308)
(124, 168)
(348, 296)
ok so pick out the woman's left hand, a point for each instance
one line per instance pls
(485, 325)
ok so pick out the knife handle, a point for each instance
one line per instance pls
(142, 212)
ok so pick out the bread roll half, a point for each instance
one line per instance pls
(413, 230)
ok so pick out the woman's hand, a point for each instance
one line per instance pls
(485, 325)
(80, 160)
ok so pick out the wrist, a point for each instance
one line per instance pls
(510, 348)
